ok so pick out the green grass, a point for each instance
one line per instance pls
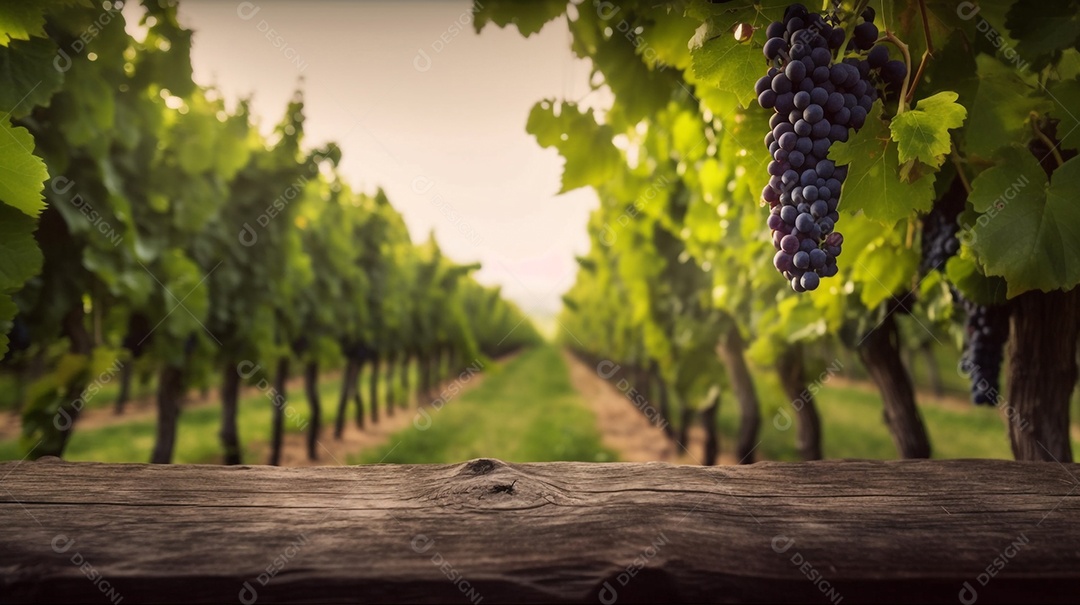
(853, 426)
(197, 439)
(525, 410)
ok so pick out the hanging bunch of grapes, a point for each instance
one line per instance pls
(816, 101)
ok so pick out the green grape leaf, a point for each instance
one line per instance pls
(591, 157)
(884, 269)
(874, 183)
(718, 59)
(21, 20)
(965, 275)
(1029, 230)
(28, 77)
(1001, 108)
(8, 311)
(1042, 27)
(923, 133)
(528, 17)
(22, 174)
(20, 258)
(729, 65)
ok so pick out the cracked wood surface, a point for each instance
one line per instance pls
(488, 531)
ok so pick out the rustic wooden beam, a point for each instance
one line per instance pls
(486, 531)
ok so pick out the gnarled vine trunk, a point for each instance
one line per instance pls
(880, 353)
(664, 402)
(1042, 373)
(712, 439)
(126, 373)
(730, 350)
(374, 386)
(406, 396)
(348, 386)
(686, 417)
(230, 397)
(791, 370)
(311, 387)
(169, 396)
(391, 400)
(279, 401)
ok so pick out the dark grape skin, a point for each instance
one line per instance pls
(815, 102)
(879, 56)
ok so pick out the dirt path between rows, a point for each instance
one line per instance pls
(625, 429)
(335, 452)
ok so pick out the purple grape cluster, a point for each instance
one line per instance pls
(815, 102)
(986, 332)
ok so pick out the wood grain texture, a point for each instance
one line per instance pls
(487, 531)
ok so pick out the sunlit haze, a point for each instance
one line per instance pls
(444, 135)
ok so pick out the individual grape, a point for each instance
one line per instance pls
(789, 244)
(878, 56)
(773, 47)
(810, 281)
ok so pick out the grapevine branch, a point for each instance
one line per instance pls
(927, 54)
(955, 157)
(889, 36)
(1045, 139)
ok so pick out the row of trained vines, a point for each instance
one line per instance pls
(150, 229)
(950, 176)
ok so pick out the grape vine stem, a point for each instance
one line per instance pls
(901, 106)
(1045, 139)
(927, 54)
(955, 157)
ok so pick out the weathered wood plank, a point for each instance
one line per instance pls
(768, 532)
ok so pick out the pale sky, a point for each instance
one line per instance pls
(447, 144)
